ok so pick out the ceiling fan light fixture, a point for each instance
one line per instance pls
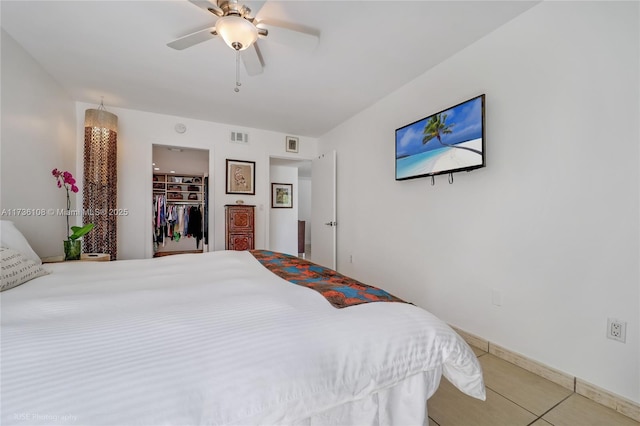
(237, 32)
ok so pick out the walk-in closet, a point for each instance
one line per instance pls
(180, 200)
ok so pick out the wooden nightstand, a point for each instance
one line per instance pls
(85, 257)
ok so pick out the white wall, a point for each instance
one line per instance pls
(283, 231)
(552, 221)
(139, 130)
(38, 135)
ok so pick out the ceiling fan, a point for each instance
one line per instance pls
(240, 28)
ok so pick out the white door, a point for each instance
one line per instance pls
(323, 210)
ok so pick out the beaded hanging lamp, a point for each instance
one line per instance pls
(100, 189)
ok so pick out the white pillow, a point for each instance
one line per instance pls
(17, 269)
(11, 237)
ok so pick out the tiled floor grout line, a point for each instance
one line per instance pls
(524, 408)
(518, 405)
(549, 410)
(513, 402)
(521, 390)
(431, 418)
(602, 397)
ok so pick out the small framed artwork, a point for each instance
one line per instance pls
(291, 144)
(281, 195)
(241, 177)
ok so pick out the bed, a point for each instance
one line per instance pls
(215, 339)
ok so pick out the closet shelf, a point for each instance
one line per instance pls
(186, 192)
(185, 202)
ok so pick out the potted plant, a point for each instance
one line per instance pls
(72, 246)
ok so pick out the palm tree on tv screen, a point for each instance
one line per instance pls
(436, 127)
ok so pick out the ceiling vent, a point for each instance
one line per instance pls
(239, 137)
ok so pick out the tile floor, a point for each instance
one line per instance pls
(516, 397)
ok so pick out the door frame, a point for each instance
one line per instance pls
(148, 247)
(267, 240)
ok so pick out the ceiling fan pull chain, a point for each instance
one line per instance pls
(236, 89)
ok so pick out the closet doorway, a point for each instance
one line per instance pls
(180, 200)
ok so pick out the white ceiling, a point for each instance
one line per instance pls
(367, 49)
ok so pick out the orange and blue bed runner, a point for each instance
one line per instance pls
(341, 291)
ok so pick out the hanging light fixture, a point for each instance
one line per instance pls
(237, 28)
(100, 180)
(237, 32)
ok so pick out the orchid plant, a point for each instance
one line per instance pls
(65, 180)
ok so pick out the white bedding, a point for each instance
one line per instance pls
(215, 339)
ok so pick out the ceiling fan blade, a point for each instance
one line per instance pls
(293, 35)
(193, 39)
(252, 60)
(255, 6)
(210, 6)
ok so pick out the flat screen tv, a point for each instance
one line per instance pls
(448, 141)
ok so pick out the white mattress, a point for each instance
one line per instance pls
(214, 339)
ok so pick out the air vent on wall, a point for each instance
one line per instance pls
(239, 137)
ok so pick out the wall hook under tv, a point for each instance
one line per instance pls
(433, 180)
(450, 178)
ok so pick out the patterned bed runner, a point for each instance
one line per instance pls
(339, 290)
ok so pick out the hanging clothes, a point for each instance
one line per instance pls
(159, 221)
(205, 222)
(185, 221)
(180, 215)
(174, 220)
(194, 228)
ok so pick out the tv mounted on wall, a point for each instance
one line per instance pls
(448, 141)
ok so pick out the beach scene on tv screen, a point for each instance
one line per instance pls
(450, 140)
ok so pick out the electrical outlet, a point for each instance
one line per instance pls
(616, 329)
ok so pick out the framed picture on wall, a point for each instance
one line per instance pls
(241, 177)
(281, 195)
(291, 144)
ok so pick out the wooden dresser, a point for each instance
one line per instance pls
(240, 227)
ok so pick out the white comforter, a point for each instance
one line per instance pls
(211, 339)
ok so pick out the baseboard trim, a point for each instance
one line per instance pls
(473, 340)
(575, 384)
(608, 399)
(556, 376)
